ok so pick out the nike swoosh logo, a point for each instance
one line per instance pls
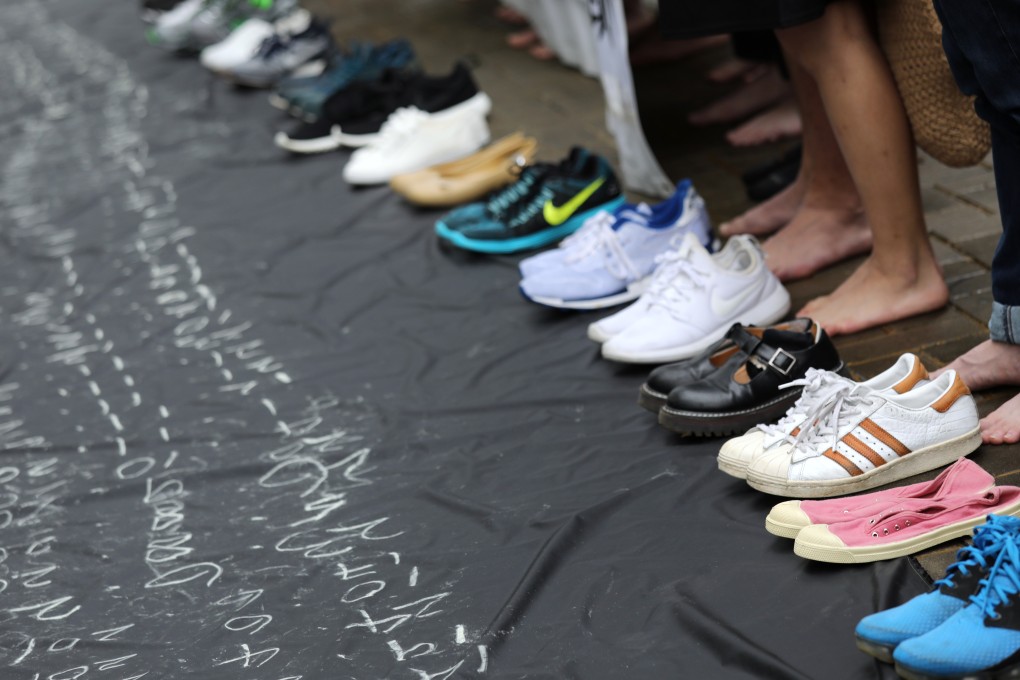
(556, 216)
(724, 307)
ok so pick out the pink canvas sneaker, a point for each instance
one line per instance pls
(962, 478)
(905, 528)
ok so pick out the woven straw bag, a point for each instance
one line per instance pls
(943, 118)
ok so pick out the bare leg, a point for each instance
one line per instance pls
(901, 278)
(829, 223)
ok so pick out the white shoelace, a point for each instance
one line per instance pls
(400, 126)
(818, 386)
(674, 282)
(603, 240)
(841, 411)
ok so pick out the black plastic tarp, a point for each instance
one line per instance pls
(257, 425)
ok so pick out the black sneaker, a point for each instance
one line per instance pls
(548, 203)
(354, 115)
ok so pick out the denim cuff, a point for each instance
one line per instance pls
(1005, 323)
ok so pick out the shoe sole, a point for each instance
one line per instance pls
(633, 292)
(1009, 673)
(356, 141)
(883, 653)
(307, 146)
(651, 400)
(888, 551)
(278, 102)
(737, 470)
(529, 242)
(596, 336)
(913, 463)
(780, 529)
(727, 423)
(765, 313)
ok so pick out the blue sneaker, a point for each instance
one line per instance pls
(880, 634)
(305, 97)
(611, 259)
(548, 203)
(982, 640)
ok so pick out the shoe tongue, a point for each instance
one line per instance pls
(964, 477)
(695, 253)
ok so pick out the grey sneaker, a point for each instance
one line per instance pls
(196, 24)
(299, 38)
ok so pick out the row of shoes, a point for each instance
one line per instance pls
(968, 625)
(900, 521)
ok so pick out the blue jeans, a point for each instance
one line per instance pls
(982, 41)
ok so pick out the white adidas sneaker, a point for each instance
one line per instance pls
(738, 453)
(862, 439)
(412, 140)
(692, 308)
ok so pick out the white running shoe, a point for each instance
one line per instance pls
(238, 47)
(412, 140)
(691, 305)
(613, 261)
(862, 439)
(738, 453)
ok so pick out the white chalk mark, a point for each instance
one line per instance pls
(484, 654)
(129, 381)
(99, 334)
(413, 580)
(269, 406)
(163, 434)
(163, 411)
(28, 650)
(396, 557)
(61, 391)
(217, 357)
(460, 637)
(282, 377)
(85, 371)
(170, 459)
(227, 374)
(121, 446)
(94, 388)
(136, 399)
(104, 406)
(118, 363)
(115, 421)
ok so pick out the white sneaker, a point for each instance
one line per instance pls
(861, 439)
(692, 305)
(738, 453)
(614, 261)
(238, 47)
(412, 140)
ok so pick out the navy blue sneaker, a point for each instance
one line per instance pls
(982, 640)
(546, 204)
(879, 634)
(305, 97)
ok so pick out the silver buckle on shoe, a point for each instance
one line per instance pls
(790, 358)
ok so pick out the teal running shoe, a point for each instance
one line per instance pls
(547, 203)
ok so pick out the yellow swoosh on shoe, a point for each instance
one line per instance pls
(557, 215)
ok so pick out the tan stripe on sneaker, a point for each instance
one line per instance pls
(795, 432)
(946, 401)
(917, 374)
(844, 462)
(881, 435)
(863, 449)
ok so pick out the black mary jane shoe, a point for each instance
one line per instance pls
(738, 343)
(743, 393)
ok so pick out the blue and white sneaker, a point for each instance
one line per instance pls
(880, 634)
(297, 39)
(611, 261)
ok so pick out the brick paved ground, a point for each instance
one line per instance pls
(561, 108)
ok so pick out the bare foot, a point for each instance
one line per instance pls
(648, 47)
(511, 16)
(1002, 426)
(731, 70)
(815, 239)
(778, 122)
(872, 297)
(769, 216)
(990, 364)
(542, 53)
(749, 98)
(522, 39)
